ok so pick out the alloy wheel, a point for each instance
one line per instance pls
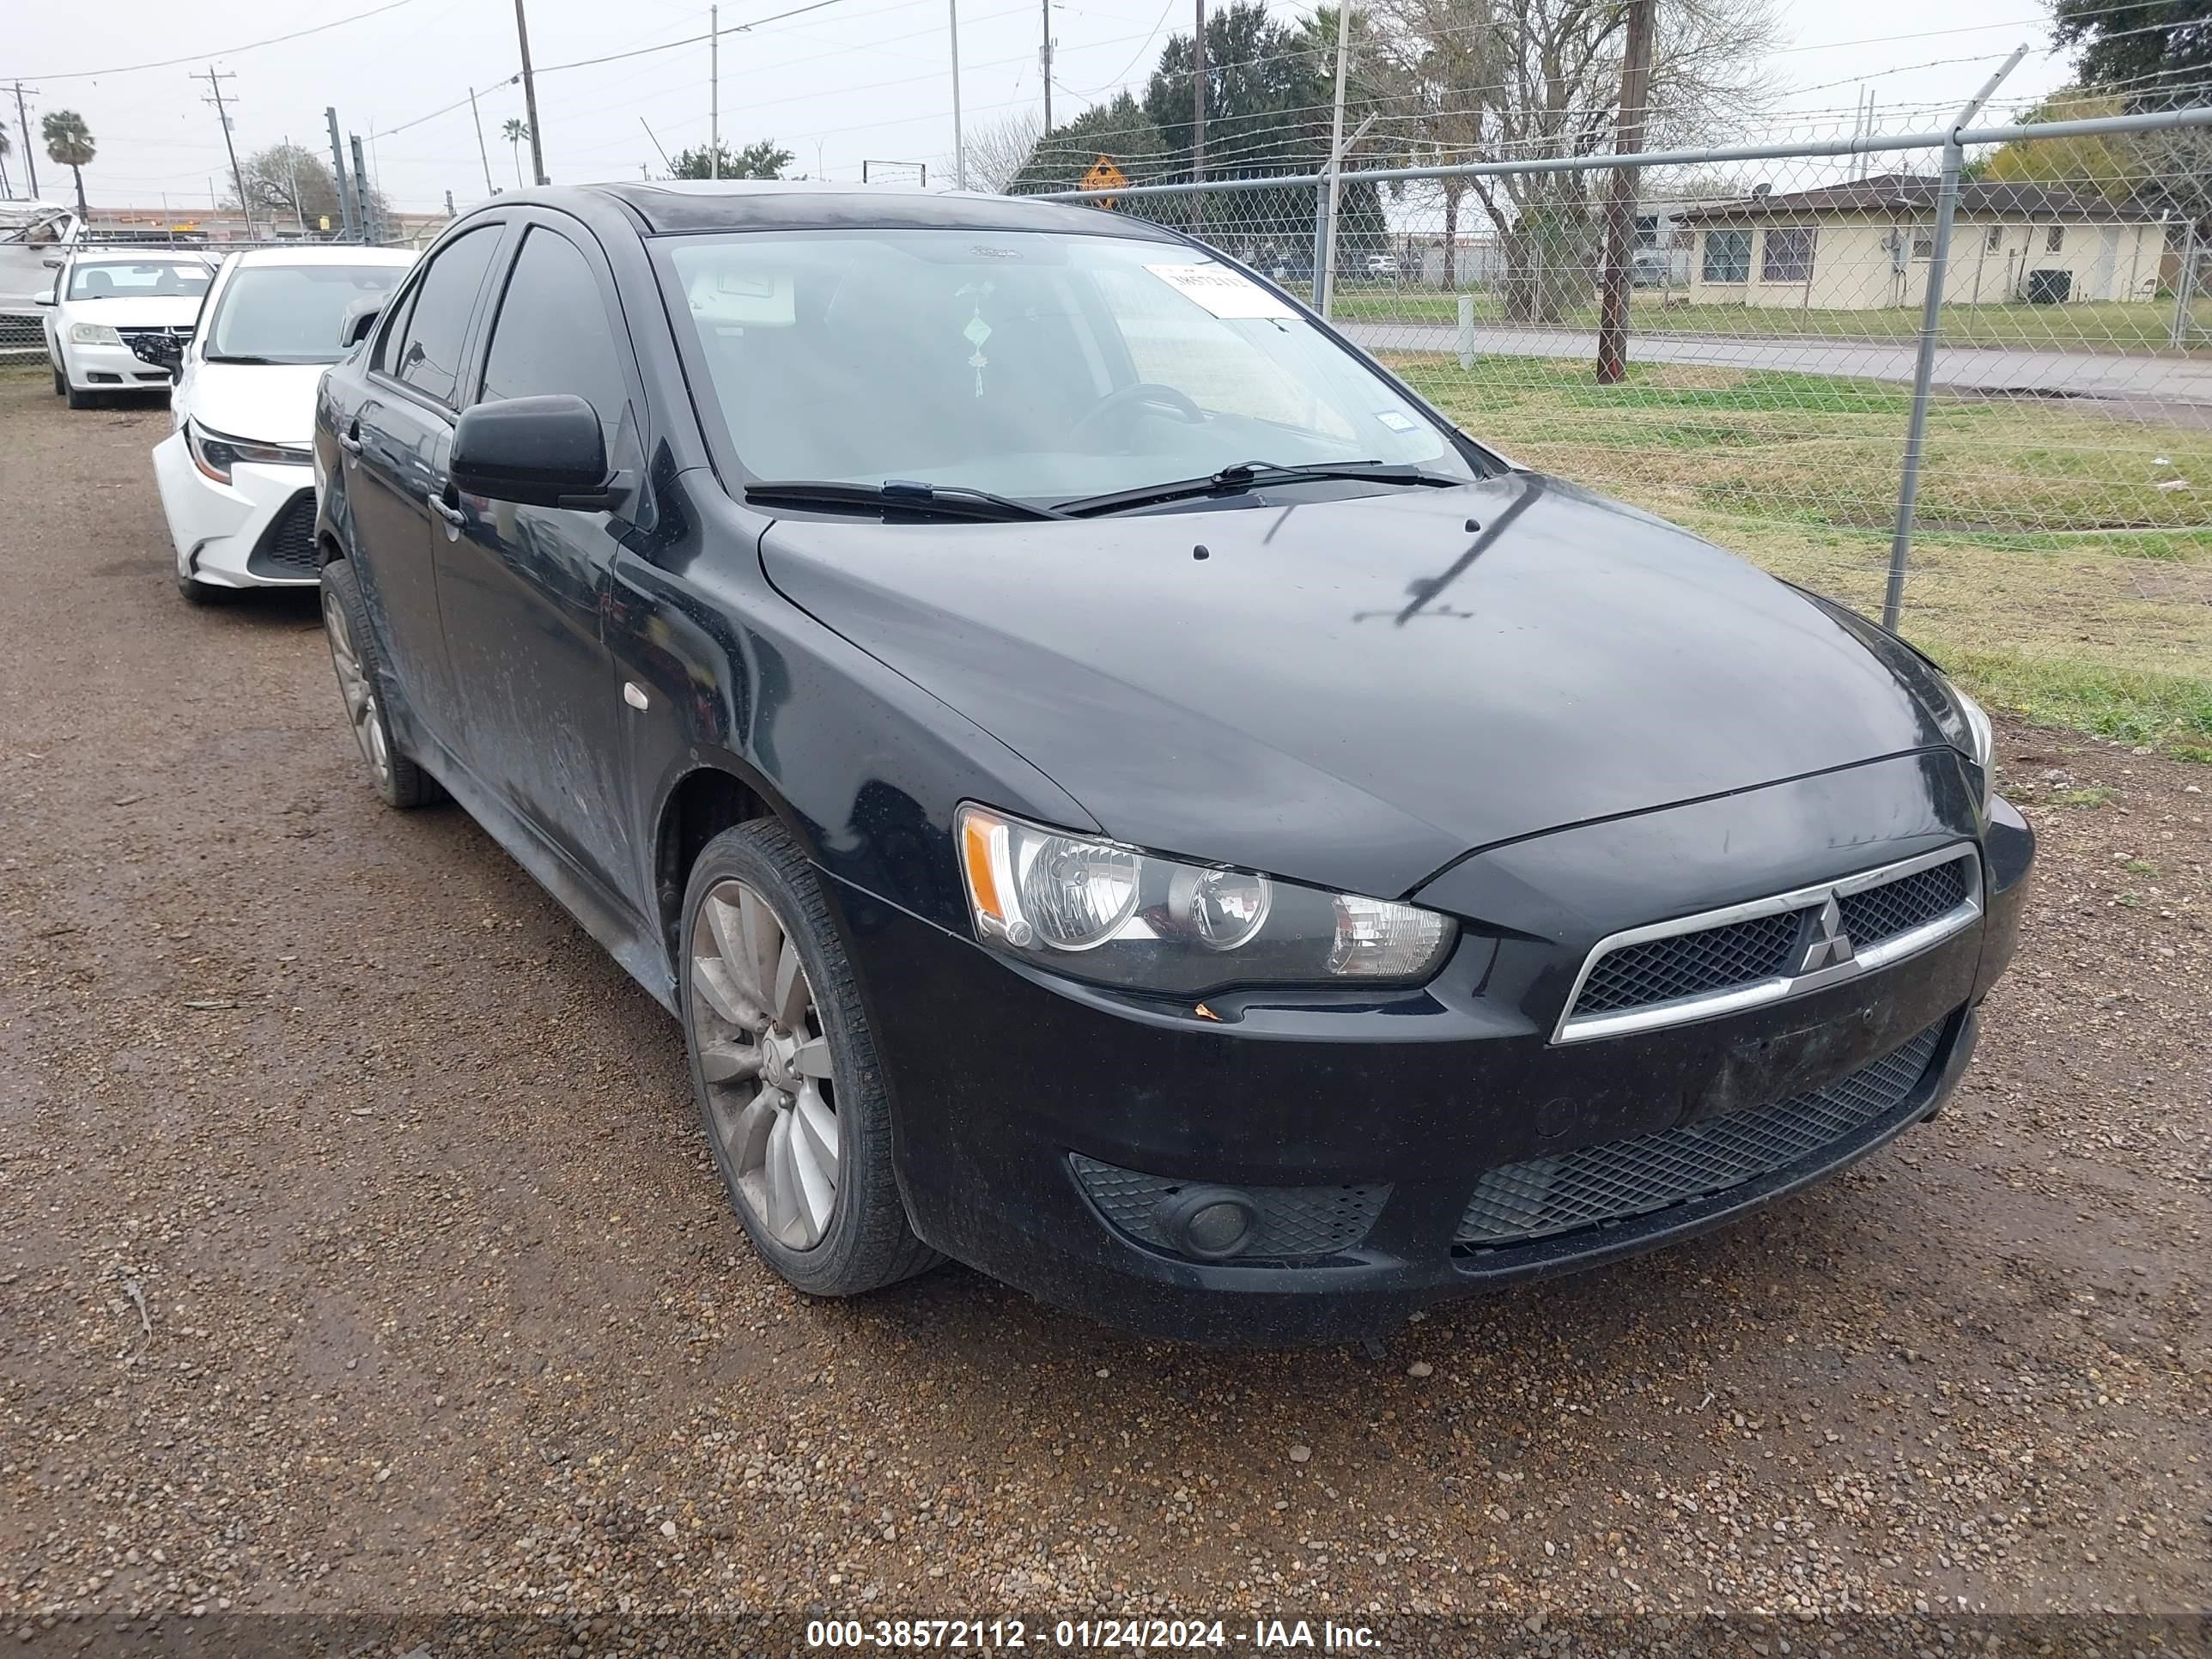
(360, 694)
(765, 1061)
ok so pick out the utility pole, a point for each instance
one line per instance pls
(1620, 207)
(292, 170)
(713, 92)
(1324, 286)
(959, 133)
(1045, 57)
(449, 205)
(482, 155)
(338, 172)
(365, 212)
(215, 96)
(1197, 119)
(30, 157)
(530, 97)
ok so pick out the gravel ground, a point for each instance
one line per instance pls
(358, 1251)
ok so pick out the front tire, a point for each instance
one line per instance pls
(78, 399)
(790, 1092)
(61, 384)
(353, 655)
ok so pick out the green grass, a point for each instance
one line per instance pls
(2049, 571)
(2101, 325)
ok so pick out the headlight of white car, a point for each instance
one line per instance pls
(1094, 910)
(94, 334)
(215, 453)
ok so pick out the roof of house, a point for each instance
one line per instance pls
(1894, 193)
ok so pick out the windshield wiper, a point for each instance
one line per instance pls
(1236, 479)
(256, 362)
(897, 495)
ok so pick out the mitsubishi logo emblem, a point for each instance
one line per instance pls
(1828, 946)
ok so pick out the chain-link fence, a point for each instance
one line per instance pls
(1780, 363)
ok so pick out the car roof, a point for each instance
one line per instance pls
(325, 254)
(140, 256)
(677, 207)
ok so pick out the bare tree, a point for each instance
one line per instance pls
(1534, 79)
(997, 150)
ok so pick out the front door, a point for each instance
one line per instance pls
(522, 586)
(396, 447)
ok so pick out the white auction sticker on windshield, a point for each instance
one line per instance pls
(1226, 293)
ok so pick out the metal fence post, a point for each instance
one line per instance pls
(2184, 290)
(1931, 318)
(1466, 330)
(1321, 284)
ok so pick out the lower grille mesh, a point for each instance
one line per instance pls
(1295, 1223)
(287, 548)
(1593, 1185)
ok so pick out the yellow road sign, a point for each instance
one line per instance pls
(1104, 176)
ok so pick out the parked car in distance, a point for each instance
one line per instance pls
(237, 486)
(1116, 789)
(34, 236)
(115, 319)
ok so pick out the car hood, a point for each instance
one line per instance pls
(272, 403)
(1353, 692)
(153, 312)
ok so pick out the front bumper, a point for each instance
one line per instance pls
(1029, 1110)
(111, 368)
(257, 531)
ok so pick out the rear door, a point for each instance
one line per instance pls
(397, 442)
(522, 588)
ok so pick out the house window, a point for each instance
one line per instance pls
(2054, 240)
(1647, 230)
(1994, 238)
(1728, 256)
(1788, 255)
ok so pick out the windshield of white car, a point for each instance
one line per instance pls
(146, 279)
(1037, 365)
(289, 313)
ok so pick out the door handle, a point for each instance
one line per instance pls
(451, 514)
(348, 443)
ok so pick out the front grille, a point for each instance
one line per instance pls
(1684, 964)
(1295, 1223)
(163, 348)
(1593, 1186)
(1897, 907)
(286, 551)
(1670, 975)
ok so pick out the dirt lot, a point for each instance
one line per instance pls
(358, 1251)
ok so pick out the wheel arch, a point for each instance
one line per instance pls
(700, 804)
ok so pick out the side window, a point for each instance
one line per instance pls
(394, 331)
(429, 357)
(553, 333)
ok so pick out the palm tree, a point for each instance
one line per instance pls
(515, 132)
(69, 143)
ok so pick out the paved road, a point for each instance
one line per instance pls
(1979, 368)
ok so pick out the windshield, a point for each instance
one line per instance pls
(290, 313)
(150, 279)
(1040, 366)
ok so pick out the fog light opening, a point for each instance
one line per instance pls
(1210, 1223)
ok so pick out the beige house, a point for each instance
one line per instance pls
(1865, 243)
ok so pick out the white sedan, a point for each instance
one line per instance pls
(115, 317)
(235, 477)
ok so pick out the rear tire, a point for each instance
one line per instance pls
(401, 782)
(786, 1066)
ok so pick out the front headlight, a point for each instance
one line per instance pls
(1983, 738)
(94, 334)
(214, 453)
(1096, 910)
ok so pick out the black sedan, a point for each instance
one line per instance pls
(1115, 788)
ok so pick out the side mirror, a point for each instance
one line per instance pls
(360, 317)
(46, 299)
(541, 452)
(52, 261)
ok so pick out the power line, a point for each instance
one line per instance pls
(232, 51)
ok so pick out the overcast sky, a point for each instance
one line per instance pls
(854, 80)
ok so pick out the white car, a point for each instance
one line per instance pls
(235, 477)
(115, 318)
